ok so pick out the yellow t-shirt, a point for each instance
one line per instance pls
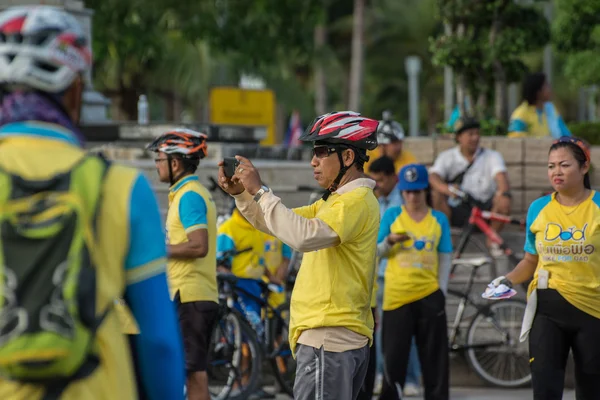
(334, 285)
(237, 233)
(567, 242)
(406, 157)
(191, 207)
(33, 156)
(412, 269)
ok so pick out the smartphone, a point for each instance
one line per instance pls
(229, 165)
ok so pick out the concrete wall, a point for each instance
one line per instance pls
(526, 160)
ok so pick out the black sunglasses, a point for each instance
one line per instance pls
(323, 151)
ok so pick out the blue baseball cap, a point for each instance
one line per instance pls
(413, 177)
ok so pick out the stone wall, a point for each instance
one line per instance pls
(526, 160)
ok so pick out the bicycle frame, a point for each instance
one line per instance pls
(465, 299)
(478, 219)
(264, 305)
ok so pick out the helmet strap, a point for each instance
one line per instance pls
(171, 181)
(336, 182)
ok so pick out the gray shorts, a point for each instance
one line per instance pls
(324, 375)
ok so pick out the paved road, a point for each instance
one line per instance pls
(485, 394)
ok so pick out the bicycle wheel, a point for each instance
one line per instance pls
(234, 359)
(494, 351)
(282, 362)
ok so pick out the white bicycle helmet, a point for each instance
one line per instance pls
(389, 131)
(41, 47)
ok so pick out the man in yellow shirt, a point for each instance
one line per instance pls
(44, 56)
(191, 238)
(390, 143)
(331, 322)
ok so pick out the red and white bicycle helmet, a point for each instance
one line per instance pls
(41, 47)
(343, 127)
(182, 141)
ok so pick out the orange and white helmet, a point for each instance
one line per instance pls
(182, 141)
(41, 47)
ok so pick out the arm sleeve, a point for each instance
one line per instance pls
(532, 213)
(440, 166)
(224, 243)
(286, 251)
(251, 211)
(444, 266)
(388, 219)
(564, 130)
(192, 212)
(158, 347)
(300, 233)
(445, 244)
(517, 125)
(498, 164)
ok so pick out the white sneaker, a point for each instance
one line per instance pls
(411, 390)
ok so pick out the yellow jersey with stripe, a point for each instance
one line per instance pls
(39, 151)
(238, 234)
(529, 121)
(191, 207)
(412, 269)
(567, 243)
(334, 285)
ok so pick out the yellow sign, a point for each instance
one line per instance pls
(234, 106)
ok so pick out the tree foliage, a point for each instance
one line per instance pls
(485, 43)
(576, 33)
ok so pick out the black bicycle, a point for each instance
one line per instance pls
(269, 334)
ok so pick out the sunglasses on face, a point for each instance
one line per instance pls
(159, 160)
(323, 151)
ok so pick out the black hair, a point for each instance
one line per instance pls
(532, 85)
(190, 165)
(428, 197)
(578, 154)
(383, 165)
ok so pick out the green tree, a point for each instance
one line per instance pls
(576, 33)
(484, 44)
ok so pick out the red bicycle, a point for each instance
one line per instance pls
(479, 220)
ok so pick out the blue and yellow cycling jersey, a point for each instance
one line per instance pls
(528, 121)
(412, 270)
(131, 249)
(191, 207)
(238, 234)
(567, 243)
(275, 252)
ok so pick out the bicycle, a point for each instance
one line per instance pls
(491, 338)
(479, 220)
(229, 377)
(271, 331)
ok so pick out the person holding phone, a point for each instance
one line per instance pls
(561, 253)
(417, 244)
(331, 322)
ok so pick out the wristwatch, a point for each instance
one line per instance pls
(263, 189)
(507, 194)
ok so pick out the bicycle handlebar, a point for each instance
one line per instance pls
(466, 197)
